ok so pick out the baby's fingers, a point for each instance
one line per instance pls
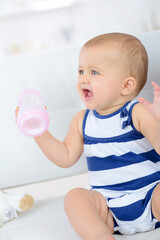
(16, 111)
(156, 91)
(144, 102)
(156, 87)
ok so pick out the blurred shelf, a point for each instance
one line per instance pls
(35, 8)
(22, 56)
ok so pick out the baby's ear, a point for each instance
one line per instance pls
(128, 86)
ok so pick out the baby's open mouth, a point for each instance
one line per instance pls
(87, 94)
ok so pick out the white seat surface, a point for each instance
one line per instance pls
(47, 221)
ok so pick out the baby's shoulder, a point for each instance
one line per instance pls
(140, 115)
(136, 112)
(79, 116)
(78, 120)
(139, 110)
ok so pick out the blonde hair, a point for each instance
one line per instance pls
(133, 53)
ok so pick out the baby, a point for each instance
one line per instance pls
(120, 138)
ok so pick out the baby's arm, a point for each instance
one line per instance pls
(146, 118)
(64, 153)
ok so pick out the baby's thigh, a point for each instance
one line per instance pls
(103, 210)
(94, 200)
(156, 202)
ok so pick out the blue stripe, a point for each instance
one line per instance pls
(157, 225)
(111, 114)
(130, 114)
(134, 210)
(113, 161)
(132, 185)
(126, 137)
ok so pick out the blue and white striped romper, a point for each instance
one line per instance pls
(123, 167)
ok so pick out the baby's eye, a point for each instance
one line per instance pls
(94, 72)
(81, 72)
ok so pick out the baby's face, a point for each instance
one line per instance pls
(100, 76)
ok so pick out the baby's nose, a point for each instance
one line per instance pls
(86, 79)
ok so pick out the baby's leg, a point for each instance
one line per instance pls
(156, 202)
(89, 215)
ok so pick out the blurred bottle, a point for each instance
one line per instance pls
(32, 117)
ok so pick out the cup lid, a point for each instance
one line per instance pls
(29, 92)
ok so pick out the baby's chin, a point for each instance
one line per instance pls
(89, 105)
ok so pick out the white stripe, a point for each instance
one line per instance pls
(142, 224)
(123, 174)
(118, 194)
(130, 198)
(125, 200)
(107, 149)
(109, 193)
(97, 127)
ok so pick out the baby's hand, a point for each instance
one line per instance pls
(16, 112)
(154, 107)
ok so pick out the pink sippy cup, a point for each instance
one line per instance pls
(32, 118)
